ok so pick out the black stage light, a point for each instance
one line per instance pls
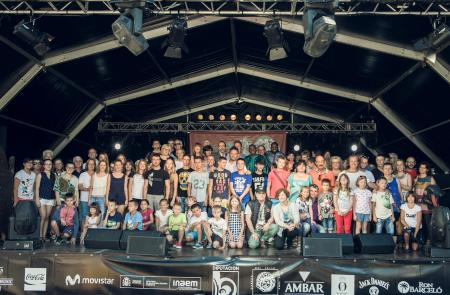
(40, 41)
(436, 39)
(175, 41)
(127, 29)
(320, 26)
(277, 48)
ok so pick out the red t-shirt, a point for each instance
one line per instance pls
(146, 217)
(67, 214)
(317, 177)
(412, 172)
(278, 179)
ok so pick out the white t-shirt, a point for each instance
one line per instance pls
(199, 184)
(178, 164)
(25, 190)
(218, 227)
(193, 219)
(369, 176)
(163, 218)
(410, 214)
(353, 177)
(85, 180)
(137, 190)
(383, 204)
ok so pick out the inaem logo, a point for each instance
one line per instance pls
(72, 281)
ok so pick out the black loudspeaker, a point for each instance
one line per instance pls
(147, 245)
(439, 252)
(346, 240)
(135, 233)
(100, 238)
(22, 245)
(15, 236)
(322, 247)
(374, 244)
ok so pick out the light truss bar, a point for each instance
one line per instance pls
(233, 126)
(440, 67)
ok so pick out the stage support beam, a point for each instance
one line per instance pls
(440, 67)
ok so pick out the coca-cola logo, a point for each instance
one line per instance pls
(34, 277)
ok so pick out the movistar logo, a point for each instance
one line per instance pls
(72, 281)
(77, 280)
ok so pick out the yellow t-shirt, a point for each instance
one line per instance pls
(175, 221)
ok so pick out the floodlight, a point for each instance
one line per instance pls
(277, 48)
(27, 32)
(175, 41)
(127, 29)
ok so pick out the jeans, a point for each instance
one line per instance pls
(183, 204)
(328, 224)
(101, 204)
(84, 211)
(387, 224)
(263, 236)
(286, 236)
(202, 204)
(305, 228)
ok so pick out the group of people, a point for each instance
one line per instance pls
(229, 197)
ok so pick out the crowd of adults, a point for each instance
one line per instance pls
(229, 197)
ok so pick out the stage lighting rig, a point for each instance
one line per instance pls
(278, 47)
(320, 26)
(233, 117)
(128, 27)
(440, 37)
(258, 117)
(200, 117)
(247, 117)
(27, 32)
(269, 118)
(280, 117)
(211, 117)
(175, 41)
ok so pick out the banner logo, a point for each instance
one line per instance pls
(161, 283)
(304, 287)
(225, 280)
(72, 281)
(422, 288)
(78, 280)
(35, 279)
(265, 281)
(342, 284)
(374, 285)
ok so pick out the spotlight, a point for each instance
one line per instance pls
(320, 26)
(258, 117)
(175, 40)
(233, 117)
(127, 30)
(211, 117)
(247, 117)
(117, 146)
(296, 147)
(354, 147)
(277, 46)
(280, 117)
(437, 38)
(200, 117)
(222, 117)
(27, 32)
(269, 118)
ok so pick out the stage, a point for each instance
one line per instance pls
(74, 270)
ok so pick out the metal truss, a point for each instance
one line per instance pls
(235, 126)
(227, 7)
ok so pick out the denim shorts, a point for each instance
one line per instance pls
(362, 217)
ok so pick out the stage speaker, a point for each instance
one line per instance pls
(322, 247)
(136, 233)
(374, 244)
(346, 240)
(14, 235)
(101, 238)
(439, 252)
(22, 245)
(147, 245)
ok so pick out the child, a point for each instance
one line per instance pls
(217, 201)
(113, 219)
(92, 220)
(65, 220)
(218, 228)
(198, 228)
(383, 212)
(191, 200)
(314, 209)
(133, 219)
(259, 178)
(326, 206)
(411, 219)
(343, 202)
(147, 215)
(177, 224)
(162, 216)
(235, 221)
(303, 203)
(363, 206)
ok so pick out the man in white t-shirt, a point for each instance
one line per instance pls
(364, 167)
(24, 183)
(353, 171)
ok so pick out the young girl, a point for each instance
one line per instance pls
(92, 220)
(343, 200)
(97, 191)
(235, 220)
(303, 203)
(147, 215)
(411, 219)
(45, 196)
(138, 183)
(173, 177)
(362, 204)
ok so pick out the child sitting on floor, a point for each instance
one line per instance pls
(177, 224)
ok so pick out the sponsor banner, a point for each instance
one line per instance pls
(35, 279)
(246, 137)
(265, 281)
(161, 283)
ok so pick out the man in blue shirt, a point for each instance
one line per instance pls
(274, 153)
(240, 183)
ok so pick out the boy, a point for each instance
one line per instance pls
(198, 183)
(218, 228)
(183, 176)
(198, 227)
(217, 201)
(259, 178)
(219, 182)
(177, 224)
(66, 220)
(326, 210)
(113, 218)
(240, 183)
(162, 216)
(383, 204)
(277, 179)
(133, 219)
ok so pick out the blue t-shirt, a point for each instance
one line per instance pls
(129, 222)
(240, 182)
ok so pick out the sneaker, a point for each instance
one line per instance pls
(58, 241)
(270, 241)
(198, 245)
(178, 246)
(209, 246)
